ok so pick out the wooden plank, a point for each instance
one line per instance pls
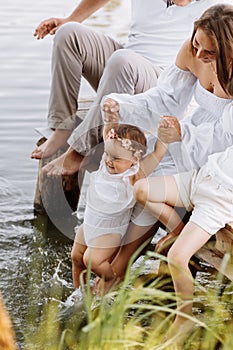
(215, 251)
(224, 240)
(211, 257)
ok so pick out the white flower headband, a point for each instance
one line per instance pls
(125, 143)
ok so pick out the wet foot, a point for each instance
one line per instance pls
(57, 140)
(103, 287)
(67, 164)
(179, 332)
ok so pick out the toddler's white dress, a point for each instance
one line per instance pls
(109, 203)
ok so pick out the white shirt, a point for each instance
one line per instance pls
(158, 32)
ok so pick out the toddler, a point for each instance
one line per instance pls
(110, 200)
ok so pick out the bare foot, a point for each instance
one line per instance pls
(179, 331)
(67, 164)
(53, 144)
(102, 286)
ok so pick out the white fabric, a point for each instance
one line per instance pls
(157, 32)
(209, 191)
(221, 167)
(206, 129)
(109, 203)
(171, 96)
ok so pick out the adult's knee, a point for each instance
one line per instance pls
(175, 257)
(141, 191)
(119, 63)
(67, 34)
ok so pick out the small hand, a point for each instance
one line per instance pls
(48, 26)
(169, 129)
(111, 111)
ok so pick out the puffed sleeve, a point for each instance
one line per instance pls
(171, 96)
(198, 142)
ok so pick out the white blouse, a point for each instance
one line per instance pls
(205, 130)
(157, 32)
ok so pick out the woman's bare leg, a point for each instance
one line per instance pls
(191, 239)
(99, 256)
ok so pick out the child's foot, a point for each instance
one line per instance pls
(67, 164)
(103, 287)
(57, 140)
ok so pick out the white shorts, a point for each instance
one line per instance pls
(211, 202)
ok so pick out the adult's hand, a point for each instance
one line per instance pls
(169, 129)
(49, 26)
(111, 108)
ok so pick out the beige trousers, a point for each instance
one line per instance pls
(108, 67)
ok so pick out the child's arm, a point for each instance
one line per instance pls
(151, 161)
(111, 116)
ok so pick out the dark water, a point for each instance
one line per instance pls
(31, 264)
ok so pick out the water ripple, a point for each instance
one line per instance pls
(14, 205)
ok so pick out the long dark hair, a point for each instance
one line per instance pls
(217, 23)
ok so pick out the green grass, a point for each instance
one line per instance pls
(135, 316)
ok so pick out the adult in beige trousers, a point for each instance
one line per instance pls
(157, 31)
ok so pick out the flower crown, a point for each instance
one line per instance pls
(125, 143)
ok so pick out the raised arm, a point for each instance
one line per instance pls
(149, 163)
(190, 145)
(84, 9)
(171, 96)
(110, 116)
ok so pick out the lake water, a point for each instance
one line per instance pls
(30, 264)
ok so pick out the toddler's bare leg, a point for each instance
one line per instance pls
(135, 237)
(99, 256)
(77, 254)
